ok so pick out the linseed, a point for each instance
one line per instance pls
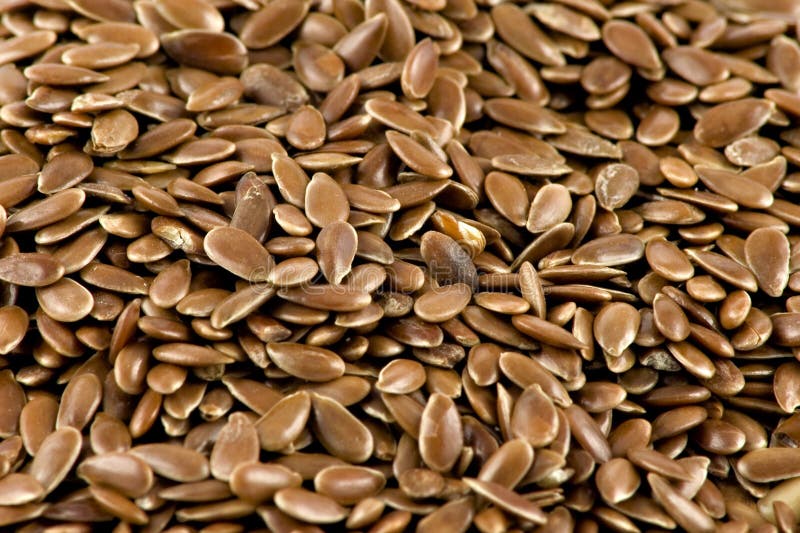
(399, 264)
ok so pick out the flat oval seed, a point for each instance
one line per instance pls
(447, 261)
(122, 472)
(727, 122)
(416, 156)
(616, 184)
(236, 443)
(284, 422)
(64, 171)
(306, 362)
(617, 480)
(631, 44)
(507, 194)
(668, 261)
(19, 489)
(65, 300)
(238, 252)
(348, 485)
(341, 433)
(611, 250)
(444, 303)
(440, 434)
(615, 327)
(767, 252)
(257, 482)
(325, 201)
(189, 355)
(337, 244)
(401, 376)
(534, 417)
(550, 207)
(785, 329)
(507, 500)
(55, 457)
(670, 320)
(13, 327)
(309, 506)
(173, 461)
(770, 464)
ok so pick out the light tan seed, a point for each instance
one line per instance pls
(56, 75)
(339, 432)
(100, 55)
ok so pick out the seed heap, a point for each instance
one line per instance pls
(399, 264)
